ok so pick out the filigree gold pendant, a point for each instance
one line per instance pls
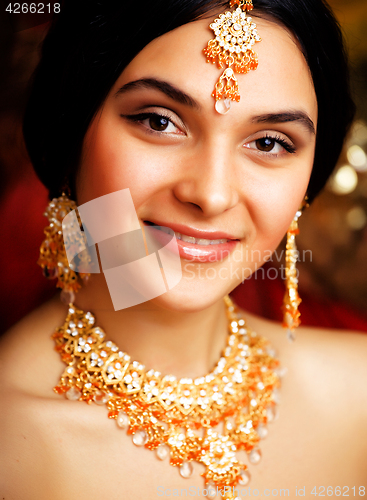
(235, 35)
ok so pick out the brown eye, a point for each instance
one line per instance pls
(265, 144)
(158, 123)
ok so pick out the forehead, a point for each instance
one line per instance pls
(282, 79)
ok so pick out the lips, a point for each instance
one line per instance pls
(195, 241)
(193, 232)
(198, 245)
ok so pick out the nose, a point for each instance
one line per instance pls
(207, 180)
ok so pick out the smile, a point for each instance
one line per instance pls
(191, 239)
(194, 247)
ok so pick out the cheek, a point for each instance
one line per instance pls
(112, 162)
(273, 203)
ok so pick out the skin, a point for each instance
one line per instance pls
(71, 449)
(249, 193)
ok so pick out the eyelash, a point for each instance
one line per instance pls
(290, 148)
(143, 116)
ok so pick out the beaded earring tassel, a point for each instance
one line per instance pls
(53, 259)
(291, 299)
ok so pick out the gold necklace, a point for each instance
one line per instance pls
(205, 420)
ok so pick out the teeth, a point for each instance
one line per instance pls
(191, 239)
(188, 239)
(199, 241)
(217, 242)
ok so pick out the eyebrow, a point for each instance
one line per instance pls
(166, 88)
(288, 116)
(181, 97)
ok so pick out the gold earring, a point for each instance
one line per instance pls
(291, 301)
(235, 35)
(53, 259)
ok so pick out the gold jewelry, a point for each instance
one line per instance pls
(235, 34)
(204, 420)
(53, 259)
(291, 299)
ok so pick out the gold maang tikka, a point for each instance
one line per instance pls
(235, 35)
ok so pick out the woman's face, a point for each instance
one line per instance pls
(239, 177)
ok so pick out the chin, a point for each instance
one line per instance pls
(193, 296)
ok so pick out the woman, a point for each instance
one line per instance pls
(123, 100)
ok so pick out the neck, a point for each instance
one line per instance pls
(184, 344)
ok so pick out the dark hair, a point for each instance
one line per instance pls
(91, 42)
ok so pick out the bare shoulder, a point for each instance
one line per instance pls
(340, 355)
(29, 369)
(27, 350)
(330, 364)
(42, 436)
(349, 345)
